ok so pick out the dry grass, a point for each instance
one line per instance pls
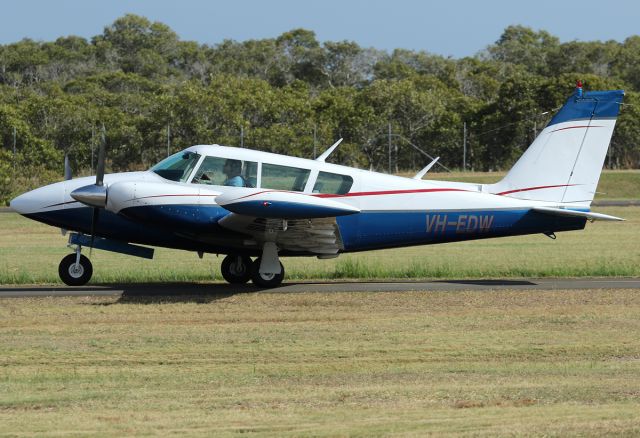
(552, 363)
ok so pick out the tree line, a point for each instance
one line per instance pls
(292, 94)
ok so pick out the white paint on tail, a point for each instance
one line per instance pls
(564, 162)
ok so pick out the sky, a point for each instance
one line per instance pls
(454, 28)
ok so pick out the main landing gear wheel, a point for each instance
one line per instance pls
(236, 269)
(73, 274)
(265, 280)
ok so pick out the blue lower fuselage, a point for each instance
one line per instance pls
(196, 228)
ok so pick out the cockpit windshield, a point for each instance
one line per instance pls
(177, 167)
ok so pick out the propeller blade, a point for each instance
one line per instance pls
(101, 159)
(67, 168)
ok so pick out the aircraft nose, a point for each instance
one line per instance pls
(20, 203)
(43, 198)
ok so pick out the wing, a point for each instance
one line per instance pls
(297, 222)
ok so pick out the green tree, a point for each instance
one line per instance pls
(625, 144)
(411, 106)
(593, 57)
(347, 64)
(137, 45)
(524, 46)
(505, 128)
(404, 64)
(627, 62)
(303, 57)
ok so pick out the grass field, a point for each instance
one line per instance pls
(482, 363)
(30, 253)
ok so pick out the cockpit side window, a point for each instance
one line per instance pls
(177, 167)
(226, 172)
(332, 183)
(210, 172)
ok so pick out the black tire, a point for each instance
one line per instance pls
(266, 281)
(236, 273)
(72, 276)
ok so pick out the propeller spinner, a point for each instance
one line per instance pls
(94, 195)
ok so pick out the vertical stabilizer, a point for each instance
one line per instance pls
(564, 162)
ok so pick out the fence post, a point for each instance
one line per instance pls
(14, 149)
(168, 138)
(389, 147)
(464, 146)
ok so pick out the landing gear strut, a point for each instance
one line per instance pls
(236, 269)
(75, 269)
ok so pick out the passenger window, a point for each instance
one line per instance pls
(332, 183)
(226, 172)
(284, 177)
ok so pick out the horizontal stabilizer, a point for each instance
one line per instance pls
(276, 204)
(575, 213)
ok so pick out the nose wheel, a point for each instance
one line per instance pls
(75, 270)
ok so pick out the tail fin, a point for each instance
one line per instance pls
(564, 162)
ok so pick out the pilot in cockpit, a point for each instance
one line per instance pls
(233, 170)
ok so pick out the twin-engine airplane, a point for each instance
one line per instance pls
(251, 204)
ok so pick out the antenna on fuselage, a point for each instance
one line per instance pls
(326, 153)
(423, 172)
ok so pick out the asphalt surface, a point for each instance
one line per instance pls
(210, 291)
